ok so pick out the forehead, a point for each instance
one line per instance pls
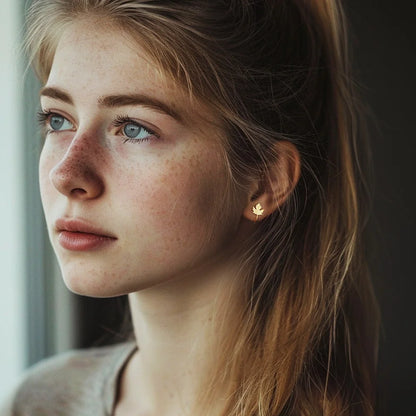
(96, 58)
(93, 53)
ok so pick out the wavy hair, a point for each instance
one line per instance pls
(271, 70)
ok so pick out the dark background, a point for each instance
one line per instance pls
(383, 44)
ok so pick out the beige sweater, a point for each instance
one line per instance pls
(77, 383)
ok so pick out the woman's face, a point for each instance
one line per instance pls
(132, 174)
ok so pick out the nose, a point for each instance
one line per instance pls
(76, 174)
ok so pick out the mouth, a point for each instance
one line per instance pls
(79, 235)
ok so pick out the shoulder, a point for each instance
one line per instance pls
(74, 383)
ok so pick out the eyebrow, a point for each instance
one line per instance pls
(112, 101)
(57, 94)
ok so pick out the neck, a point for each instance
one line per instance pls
(178, 328)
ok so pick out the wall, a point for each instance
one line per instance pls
(385, 48)
(11, 202)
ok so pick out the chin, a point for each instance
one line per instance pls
(90, 287)
(96, 282)
(92, 282)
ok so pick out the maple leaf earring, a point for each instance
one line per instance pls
(258, 211)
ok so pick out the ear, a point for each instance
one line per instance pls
(277, 183)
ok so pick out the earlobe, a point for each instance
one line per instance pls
(258, 210)
(277, 183)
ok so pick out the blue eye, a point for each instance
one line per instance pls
(59, 123)
(132, 130)
(53, 122)
(136, 132)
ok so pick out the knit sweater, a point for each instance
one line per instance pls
(76, 383)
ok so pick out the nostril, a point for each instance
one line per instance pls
(78, 191)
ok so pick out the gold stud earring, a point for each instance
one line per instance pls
(258, 211)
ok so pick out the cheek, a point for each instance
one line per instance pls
(178, 201)
(186, 190)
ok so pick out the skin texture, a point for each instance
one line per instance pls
(158, 197)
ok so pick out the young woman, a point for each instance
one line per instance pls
(203, 156)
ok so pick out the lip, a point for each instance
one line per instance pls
(79, 235)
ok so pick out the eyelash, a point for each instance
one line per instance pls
(43, 117)
(121, 121)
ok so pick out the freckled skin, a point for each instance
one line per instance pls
(158, 197)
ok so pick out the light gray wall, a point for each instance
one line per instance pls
(11, 202)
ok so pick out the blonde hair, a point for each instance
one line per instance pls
(272, 70)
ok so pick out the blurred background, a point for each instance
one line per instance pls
(40, 317)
